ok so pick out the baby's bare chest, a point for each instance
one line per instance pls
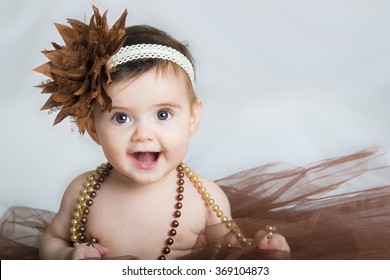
(143, 228)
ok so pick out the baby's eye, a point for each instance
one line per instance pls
(121, 118)
(164, 114)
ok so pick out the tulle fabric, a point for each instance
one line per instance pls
(338, 208)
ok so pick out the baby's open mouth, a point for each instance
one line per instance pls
(146, 157)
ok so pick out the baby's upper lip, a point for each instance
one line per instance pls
(143, 152)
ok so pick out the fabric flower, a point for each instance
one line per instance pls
(78, 70)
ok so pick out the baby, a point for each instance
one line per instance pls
(132, 90)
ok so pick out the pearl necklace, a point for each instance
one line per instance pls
(92, 185)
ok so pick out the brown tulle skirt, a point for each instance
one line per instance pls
(338, 208)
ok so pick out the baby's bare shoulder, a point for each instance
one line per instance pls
(219, 197)
(72, 192)
(213, 189)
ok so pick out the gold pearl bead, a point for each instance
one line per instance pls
(190, 173)
(86, 184)
(224, 219)
(73, 230)
(194, 178)
(76, 215)
(77, 207)
(91, 177)
(198, 184)
(202, 190)
(73, 237)
(229, 225)
(206, 196)
(74, 222)
(215, 207)
(186, 169)
(83, 191)
(219, 214)
(210, 201)
(90, 189)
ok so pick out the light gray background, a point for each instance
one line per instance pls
(292, 81)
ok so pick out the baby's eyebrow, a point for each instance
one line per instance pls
(159, 105)
(169, 104)
(118, 108)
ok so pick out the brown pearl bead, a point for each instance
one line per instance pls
(169, 241)
(89, 202)
(179, 197)
(177, 214)
(175, 223)
(180, 189)
(179, 205)
(162, 257)
(97, 186)
(180, 175)
(172, 232)
(94, 240)
(179, 168)
(93, 194)
(180, 182)
(86, 211)
(166, 250)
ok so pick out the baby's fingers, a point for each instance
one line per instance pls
(102, 250)
(278, 242)
(272, 242)
(85, 251)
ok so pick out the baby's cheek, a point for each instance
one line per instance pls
(176, 147)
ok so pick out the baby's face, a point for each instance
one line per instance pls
(146, 134)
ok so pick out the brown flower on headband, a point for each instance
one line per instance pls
(78, 71)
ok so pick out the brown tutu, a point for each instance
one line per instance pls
(334, 209)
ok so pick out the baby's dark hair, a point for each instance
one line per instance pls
(145, 34)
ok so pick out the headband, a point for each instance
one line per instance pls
(80, 71)
(144, 51)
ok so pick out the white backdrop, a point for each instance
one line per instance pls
(293, 81)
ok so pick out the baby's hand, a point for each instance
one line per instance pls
(272, 241)
(84, 251)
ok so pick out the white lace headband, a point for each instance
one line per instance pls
(142, 51)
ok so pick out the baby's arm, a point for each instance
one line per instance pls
(56, 242)
(277, 242)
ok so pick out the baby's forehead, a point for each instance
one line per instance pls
(155, 79)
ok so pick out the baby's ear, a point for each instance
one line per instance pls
(196, 115)
(91, 129)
